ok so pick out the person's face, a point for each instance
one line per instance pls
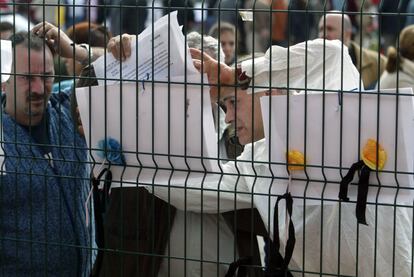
(27, 93)
(5, 34)
(228, 45)
(244, 112)
(73, 67)
(333, 29)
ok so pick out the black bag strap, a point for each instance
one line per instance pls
(361, 204)
(100, 199)
(278, 265)
(239, 264)
(362, 196)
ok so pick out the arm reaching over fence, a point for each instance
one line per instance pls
(64, 46)
(218, 73)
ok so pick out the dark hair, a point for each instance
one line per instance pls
(6, 26)
(87, 32)
(406, 50)
(29, 40)
(224, 27)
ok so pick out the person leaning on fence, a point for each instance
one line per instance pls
(338, 251)
(44, 216)
(399, 72)
(250, 130)
(335, 25)
(44, 184)
(307, 217)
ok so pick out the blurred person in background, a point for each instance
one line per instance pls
(226, 11)
(399, 72)
(226, 34)
(6, 30)
(335, 25)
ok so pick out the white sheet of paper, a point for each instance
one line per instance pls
(322, 118)
(161, 53)
(6, 60)
(159, 126)
(246, 15)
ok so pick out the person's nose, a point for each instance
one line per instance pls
(37, 85)
(226, 49)
(229, 115)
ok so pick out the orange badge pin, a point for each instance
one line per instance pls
(296, 160)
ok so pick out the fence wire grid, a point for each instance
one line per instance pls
(207, 138)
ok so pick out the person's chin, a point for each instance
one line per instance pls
(36, 112)
(243, 136)
(37, 106)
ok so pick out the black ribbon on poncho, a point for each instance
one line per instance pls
(100, 203)
(277, 265)
(361, 204)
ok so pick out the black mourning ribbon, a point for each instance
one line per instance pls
(100, 202)
(239, 264)
(277, 265)
(361, 204)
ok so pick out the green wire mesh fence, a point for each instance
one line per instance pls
(207, 138)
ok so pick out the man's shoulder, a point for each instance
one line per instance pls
(59, 98)
(256, 150)
(366, 52)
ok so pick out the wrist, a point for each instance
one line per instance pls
(86, 54)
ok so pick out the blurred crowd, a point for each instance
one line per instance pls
(375, 23)
(368, 28)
